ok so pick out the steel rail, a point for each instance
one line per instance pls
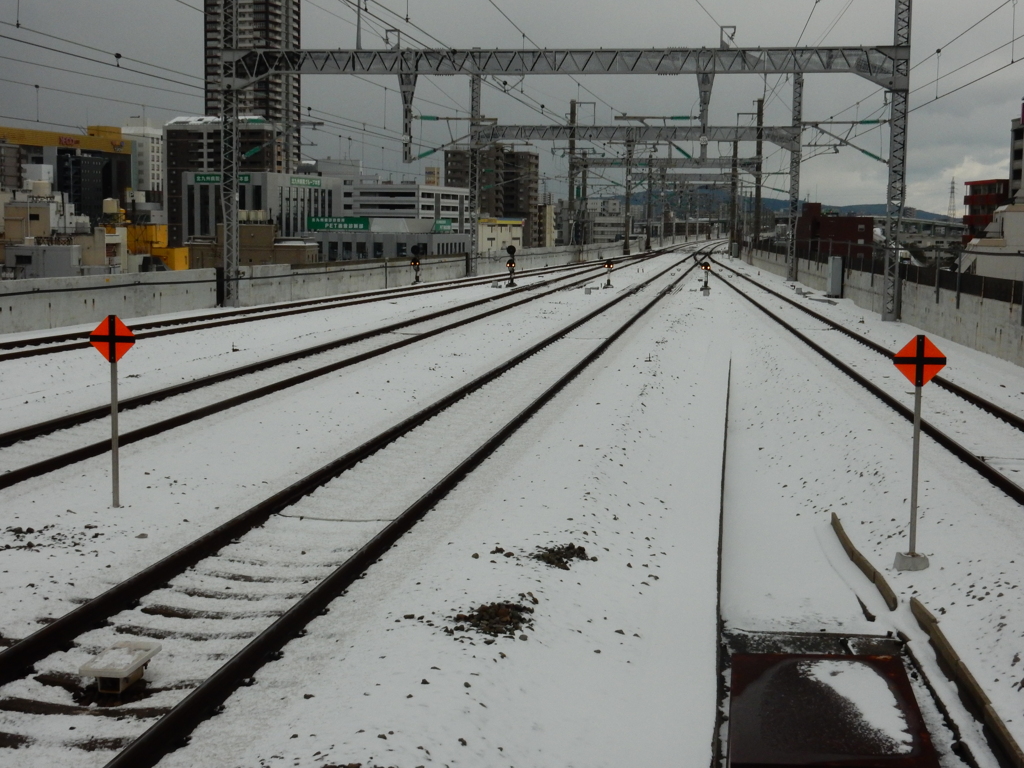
(172, 730)
(40, 468)
(79, 340)
(994, 476)
(16, 660)
(90, 414)
(977, 400)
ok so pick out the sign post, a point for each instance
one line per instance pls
(919, 361)
(112, 339)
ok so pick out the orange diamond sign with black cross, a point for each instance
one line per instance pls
(919, 361)
(112, 338)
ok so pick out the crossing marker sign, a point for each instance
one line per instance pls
(112, 338)
(919, 361)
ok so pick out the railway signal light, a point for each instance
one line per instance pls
(511, 266)
(609, 265)
(415, 263)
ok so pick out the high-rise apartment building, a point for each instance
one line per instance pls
(270, 24)
(509, 183)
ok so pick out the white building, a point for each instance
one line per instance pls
(998, 253)
(373, 198)
(149, 157)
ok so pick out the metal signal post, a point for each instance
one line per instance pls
(112, 339)
(919, 361)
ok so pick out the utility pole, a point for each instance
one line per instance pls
(229, 153)
(627, 220)
(584, 208)
(572, 173)
(475, 81)
(758, 178)
(734, 202)
(650, 205)
(795, 158)
(897, 190)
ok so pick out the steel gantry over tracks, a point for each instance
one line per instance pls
(887, 66)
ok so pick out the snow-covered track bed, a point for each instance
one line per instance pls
(35, 345)
(36, 449)
(228, 603)
(1008, 413)
(986, 439)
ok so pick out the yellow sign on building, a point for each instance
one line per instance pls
(100, 139)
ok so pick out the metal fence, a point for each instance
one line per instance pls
(994, 288)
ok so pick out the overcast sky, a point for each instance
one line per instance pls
(965, 133)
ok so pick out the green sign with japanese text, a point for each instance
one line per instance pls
(338, 223)
(214, 178)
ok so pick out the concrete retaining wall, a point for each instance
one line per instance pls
(54, 302)
(983, 324)
(29, 305)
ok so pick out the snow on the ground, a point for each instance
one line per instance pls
(66, 542)
(813, 443)
(38, 388)
(619, 665)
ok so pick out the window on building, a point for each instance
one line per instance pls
(360, 250)
(204, 210)
(332, 250)
(400, 249)
(33, 217)
(346, 251)
(378, 250)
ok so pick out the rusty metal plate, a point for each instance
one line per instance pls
(825, 710)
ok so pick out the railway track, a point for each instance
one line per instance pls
(63, 342)
(1013, 419)
(946, 723)
(890, 394)
(33, 466)
(241, 592)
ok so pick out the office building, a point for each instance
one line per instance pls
(192, 145)
(100, 164)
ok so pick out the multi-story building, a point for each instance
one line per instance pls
(286, 200)
(509, 183)
(1016, 154)
(149, 158)
(270, 24)
(982, 200)
(100, 164)
(192, 145)
(544, 226)
(376, 199)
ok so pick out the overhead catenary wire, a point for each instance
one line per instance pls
(118, 56)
